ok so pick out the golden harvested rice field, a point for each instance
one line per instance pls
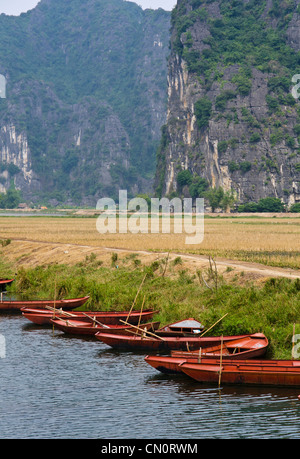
(239, 241)
(220, 234)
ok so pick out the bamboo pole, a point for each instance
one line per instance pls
(199, 355)
(54, 305)
(134, 332)
(293, 341)
(220, 372)
(55, 294)
(205, 331)
(60, 311)
(136, 297)
(140, 317)
(68, 314)
(142, 330)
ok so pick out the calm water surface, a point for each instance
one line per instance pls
(55, 386)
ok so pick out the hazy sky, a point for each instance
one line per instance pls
(16, 7)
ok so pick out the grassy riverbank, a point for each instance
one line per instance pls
(271, 307)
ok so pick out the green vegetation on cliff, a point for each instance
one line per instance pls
(243, 35)
(237, 59)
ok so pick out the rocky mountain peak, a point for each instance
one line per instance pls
(232, 120)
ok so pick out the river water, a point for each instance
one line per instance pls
(54, 386)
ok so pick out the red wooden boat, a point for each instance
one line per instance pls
(168, 364)
(43, 316)
(35, 304)
(78, 327)
(160, 343)
(5, 282)
(251, 372)
(247, 347)
(251, 346)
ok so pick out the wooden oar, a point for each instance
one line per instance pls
(142, 330)
(205, 331)
(95, 320)
(293, 341)
(60, 311)
(136, 297)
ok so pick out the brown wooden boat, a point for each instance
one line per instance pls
(161, 343)
(168, 364)
(78, 327)
(251, 372)
(248, 347)
(43, 316)
(72, 303)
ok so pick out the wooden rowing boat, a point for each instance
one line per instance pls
(4, 283)
(44, 316)
(247, 347)
(251, 372)
(167, 364)
(88, 323)
(41, 304)
(160, 343)
(79, 327)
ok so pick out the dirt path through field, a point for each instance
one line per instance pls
(30, 253)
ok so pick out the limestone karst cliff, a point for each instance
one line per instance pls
(232, 121)
(85, 99)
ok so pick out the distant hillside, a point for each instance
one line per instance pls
(86, 99)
